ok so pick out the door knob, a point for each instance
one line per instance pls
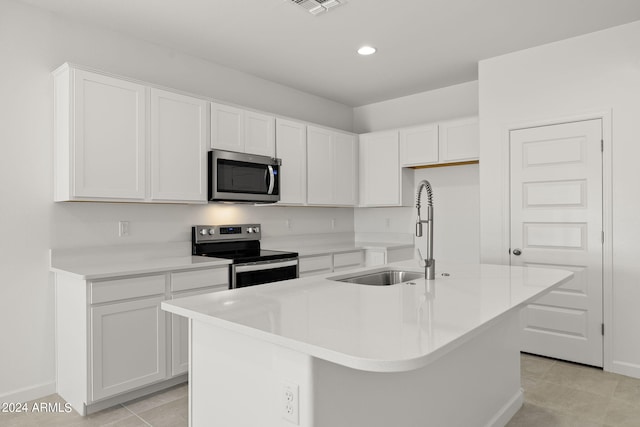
(517, 252)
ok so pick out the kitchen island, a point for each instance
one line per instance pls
(316, 352)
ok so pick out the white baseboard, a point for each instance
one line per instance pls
(624, 368)
(502, 417)
(29, 393)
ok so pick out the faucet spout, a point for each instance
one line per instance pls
(429, 262)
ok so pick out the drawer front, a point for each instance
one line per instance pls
(194, 279)
(315, 263)
(348, 259)
(129, 287)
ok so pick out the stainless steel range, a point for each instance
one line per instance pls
(251, 265)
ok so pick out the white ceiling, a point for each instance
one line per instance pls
(422, 44)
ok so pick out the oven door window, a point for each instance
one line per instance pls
(258, 277)
(242, 177)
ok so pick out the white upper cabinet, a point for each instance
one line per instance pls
(419, 145)
(446, 142)
(331, 167)
(104, 150)
(291, 148)
(459, 140)
(259, 134)
(345, 169)
(178, 147)
(235, 129)
(382, 181)
(100, 135)
(227, 128)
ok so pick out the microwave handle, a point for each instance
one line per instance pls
(272, 179)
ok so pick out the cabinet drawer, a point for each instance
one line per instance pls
(185, 280)
(347, 259)
(129, 287)
(315, 263)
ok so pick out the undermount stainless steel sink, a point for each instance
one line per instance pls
(380, 278)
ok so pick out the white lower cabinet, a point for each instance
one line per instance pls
(186, 284)
(327, 263)
(115, 343)
(348, 260)
(382, 256)
(128, 341)
(314, 265)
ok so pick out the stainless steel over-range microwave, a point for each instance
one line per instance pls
(241, 177)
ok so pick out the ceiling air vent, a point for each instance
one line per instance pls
(316, 7)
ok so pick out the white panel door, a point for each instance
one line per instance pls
(291, 148)
(345, 169)
(259, 134)
(178, 147)
(380, 173)
(556, 222)
(109, 137)
(227, 128)
(128, 347)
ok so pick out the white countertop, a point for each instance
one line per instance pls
(101, 269)
(374, 328)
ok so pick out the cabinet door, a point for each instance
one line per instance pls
(128, 347)
(419, 145)
(320, 168)
(259, 134)
(109, 138)
(291, 148)
(380, 178)
(348, 260)
(459, 140)
(227, 128)
(180, 333)
(178, 147)
(314, 265)
(345, 170)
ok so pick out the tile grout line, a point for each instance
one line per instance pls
(137, 416)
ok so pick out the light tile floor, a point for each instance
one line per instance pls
(557, 394)
(562, 394)
(167, 408)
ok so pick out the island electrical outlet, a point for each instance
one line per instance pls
(289, 404)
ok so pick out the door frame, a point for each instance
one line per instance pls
(605, 115)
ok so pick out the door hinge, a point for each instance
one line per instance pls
(603, 237)
(602, 145)
(602, 328)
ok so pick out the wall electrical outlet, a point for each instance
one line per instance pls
(123, 229)
(290, 402)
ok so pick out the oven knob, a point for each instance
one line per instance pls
(256, 229)
(212, 231)
(203, 232)
(249, 230)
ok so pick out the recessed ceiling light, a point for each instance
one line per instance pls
(367, 50)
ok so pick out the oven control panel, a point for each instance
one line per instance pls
(212, 233)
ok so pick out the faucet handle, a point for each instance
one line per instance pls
(423, 262)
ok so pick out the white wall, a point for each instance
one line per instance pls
(431, 106)
(33, 43)
(456, 189)
(591, 73)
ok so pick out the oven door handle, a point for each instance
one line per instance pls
(242, 268)
(272, 179)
